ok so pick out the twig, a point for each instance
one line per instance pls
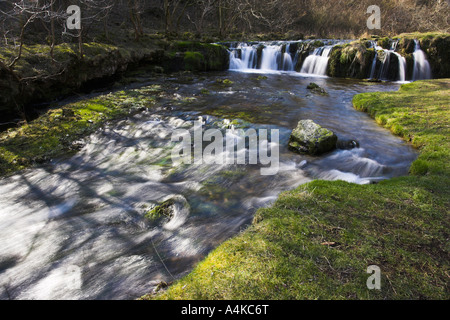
(154, 247)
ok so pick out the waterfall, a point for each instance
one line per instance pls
(288, 64)
(422, 69)
(401, 67)
(374, 65)
(383, 71)
(270, 58)
(245, 57)
(283, 56)
(317, 62)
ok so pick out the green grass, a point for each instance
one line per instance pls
(55, 134)
(316, 242)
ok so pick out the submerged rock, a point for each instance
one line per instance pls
(172, 212)
(310, 138)
(315, 88)
(347, 144)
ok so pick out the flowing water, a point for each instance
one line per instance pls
(383, 69)
(278, 56)
(76, 228)
(317, 62)
(422, 68)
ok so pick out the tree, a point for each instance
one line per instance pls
(135, 9)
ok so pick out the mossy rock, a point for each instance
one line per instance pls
(194, 61)
(351, 61)
(310, 138)
(164, 210)
(315, 88)
(197, 56)
(385, 43)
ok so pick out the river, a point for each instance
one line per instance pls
(76, 228)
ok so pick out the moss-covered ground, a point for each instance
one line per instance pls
(316, 242)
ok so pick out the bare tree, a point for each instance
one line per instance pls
(203, 9)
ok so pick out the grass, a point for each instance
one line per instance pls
(57, 133)
(316, 242)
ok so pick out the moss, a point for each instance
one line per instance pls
(353, 60)
(385, 43)
(194, 61)
(317, 44)
(312, 85)
(226, 82)
(215, 56)
(163, 210)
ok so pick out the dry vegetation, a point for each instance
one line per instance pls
(101, 20)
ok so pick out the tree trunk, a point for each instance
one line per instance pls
(80, 43)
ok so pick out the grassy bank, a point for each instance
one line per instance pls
(317, 241)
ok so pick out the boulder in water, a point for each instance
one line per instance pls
(315, 88)
(310, 138)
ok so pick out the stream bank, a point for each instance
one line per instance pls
(316, 242)
(36, 80)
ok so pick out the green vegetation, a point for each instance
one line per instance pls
(57, 133)
(317, 241)
(160, 211)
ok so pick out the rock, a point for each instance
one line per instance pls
(310, 138)
(347, 144)
(315, 88)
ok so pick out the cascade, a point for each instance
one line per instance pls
(422, 69)
(383, 71)
(401, 66)
(245, 57)
(278, 56)
(317, 62)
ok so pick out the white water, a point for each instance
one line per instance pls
(317, 63)
(402, 67)
(422, 69)
(270, 56)
(247, 60)
(245, 57)
(278, 57)
(384, 68)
